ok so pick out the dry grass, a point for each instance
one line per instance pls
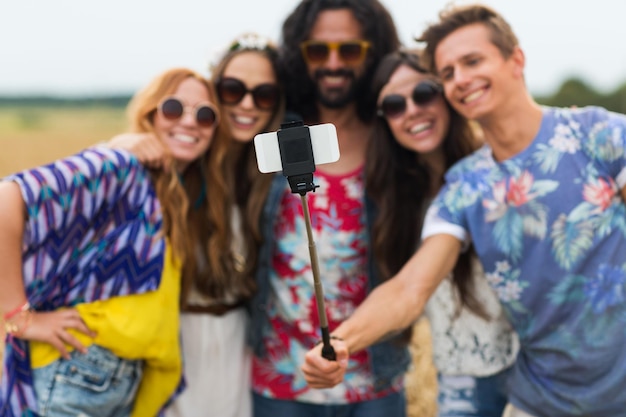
(31, 136)
(421, 381)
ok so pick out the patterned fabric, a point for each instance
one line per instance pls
(340, 235)
(389, 359)
(464, 343)
(549, 225)
(93, 232)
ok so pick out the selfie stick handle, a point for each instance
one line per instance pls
(328, 351)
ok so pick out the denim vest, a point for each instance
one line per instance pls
(389, 358)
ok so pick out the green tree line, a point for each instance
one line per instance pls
(576, 92)
(572, 92)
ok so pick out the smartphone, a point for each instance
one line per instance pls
(323, 140)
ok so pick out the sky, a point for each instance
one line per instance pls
(88, 47)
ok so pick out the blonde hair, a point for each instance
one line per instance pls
(196, 203)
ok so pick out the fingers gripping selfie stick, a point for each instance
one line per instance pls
(296, 153)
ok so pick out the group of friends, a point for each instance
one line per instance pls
(160, 273)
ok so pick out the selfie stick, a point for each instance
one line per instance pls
(296, 153)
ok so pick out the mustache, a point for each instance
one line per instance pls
(341, 72)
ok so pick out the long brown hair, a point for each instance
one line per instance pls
(400, 184)
(195, 203)
(247, 184)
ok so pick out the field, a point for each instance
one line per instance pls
(31, 136)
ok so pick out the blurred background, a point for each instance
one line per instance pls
(69, 67)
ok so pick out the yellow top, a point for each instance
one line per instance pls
(143, 326)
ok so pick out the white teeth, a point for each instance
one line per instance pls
(244, 120)
(473, 96)
(334, 80)
(421, 127)
(185, 138)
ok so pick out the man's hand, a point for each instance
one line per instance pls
(322, 373)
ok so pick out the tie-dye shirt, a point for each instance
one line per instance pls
(340, 234)
(93, 232)
(549, 226)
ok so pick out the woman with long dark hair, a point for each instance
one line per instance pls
(417, 137)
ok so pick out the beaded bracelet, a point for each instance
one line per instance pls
(16, 321)
(16, 311)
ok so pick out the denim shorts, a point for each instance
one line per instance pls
(393, 405)
(467, 396)
(97, 383)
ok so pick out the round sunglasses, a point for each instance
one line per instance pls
(173, 109)
(350, 52)
(231, 91)
(394, 105)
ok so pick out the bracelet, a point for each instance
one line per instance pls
(17, 324)
(332, 337)
(16, 311)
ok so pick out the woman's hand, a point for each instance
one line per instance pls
(52, 328)
(146, 147)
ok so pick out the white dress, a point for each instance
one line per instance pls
(217, 366)
(216, 359)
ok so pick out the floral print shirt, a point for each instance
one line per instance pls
(549, 226)
(338, 223)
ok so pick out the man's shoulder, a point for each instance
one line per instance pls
(586, 116)
(476, 161)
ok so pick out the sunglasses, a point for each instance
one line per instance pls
(231, 91)
(350, 52)
(394, 105)
(173, 109)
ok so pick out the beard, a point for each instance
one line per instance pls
(337, 98)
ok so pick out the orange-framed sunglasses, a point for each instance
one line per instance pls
(350, 52)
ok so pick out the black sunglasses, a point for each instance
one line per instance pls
(350, 52)
(394, 105)
(231, 91)
(173, 109)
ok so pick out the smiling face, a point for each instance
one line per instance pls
(184, 137)
(421, 128)
(477, 79)
(246, 119)
(336, 80)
